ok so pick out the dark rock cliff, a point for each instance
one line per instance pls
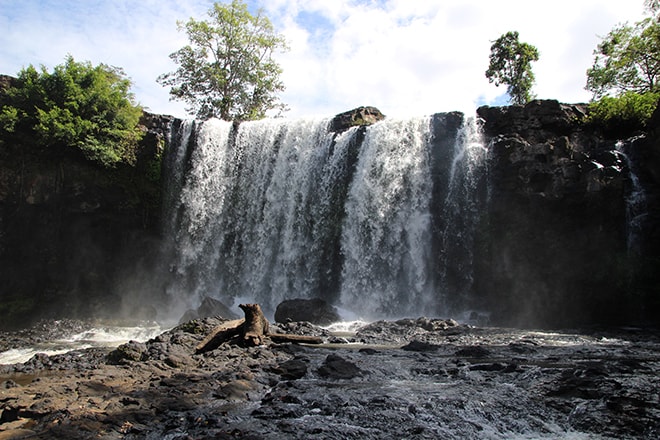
(70, 230)
(562, 248)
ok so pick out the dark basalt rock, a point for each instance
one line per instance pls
(315, 311)
(357, 117)
(602, 384)
(557, 227)
(292, 369)
(209, 307)
(336, 367)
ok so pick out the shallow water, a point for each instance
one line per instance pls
(98, 336)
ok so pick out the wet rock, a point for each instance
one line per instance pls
(416, 345)
(336, 367)
(406, 329)
(237, 390)
(315, 311)
(473, 382)
(302, 328)
(209, 307)
(474, 352)
(292, 369)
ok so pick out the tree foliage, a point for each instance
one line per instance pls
(629, 111)
(227, 70)
(88, 108)
(627, 60)
(511, 64)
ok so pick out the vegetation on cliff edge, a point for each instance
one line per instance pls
(77, 106)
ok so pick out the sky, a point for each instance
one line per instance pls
(406, 57)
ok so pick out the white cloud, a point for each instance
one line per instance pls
(403, 56)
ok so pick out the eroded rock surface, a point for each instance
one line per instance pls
(473, 383)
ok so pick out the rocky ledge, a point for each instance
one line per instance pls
(413, 378)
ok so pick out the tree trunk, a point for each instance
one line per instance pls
(254, 330)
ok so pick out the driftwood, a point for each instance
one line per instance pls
(253, 330)
(283, 337)
(220, 334)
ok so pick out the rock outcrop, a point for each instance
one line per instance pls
(357, 117)
(315, 311)
(555, 244)
(71, 232)
(558, 227)
(437, 381)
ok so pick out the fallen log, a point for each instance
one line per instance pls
(253, 330)
(283, 337)
(220, 334)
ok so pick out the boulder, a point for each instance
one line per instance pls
(336, 367)
(315, 311)
(356, 117)
(209, 307)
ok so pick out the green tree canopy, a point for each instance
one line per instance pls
(511, 64)
(78, 105)
(227, 70)
(627, 60)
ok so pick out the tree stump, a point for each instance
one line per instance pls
(256, 325)
(253, 331)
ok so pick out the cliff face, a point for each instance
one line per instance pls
(567, 244)
(69, 229)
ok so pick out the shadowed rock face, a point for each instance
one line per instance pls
(315, 311)
(71, 232)
(558, 232)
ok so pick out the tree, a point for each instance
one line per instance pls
(90, 109)
(627, 60)
(228, 70)
(652, 7)
(511, 64)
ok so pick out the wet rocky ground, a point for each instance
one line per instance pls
(414, 379)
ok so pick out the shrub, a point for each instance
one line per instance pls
(630, 111)
(79, 106)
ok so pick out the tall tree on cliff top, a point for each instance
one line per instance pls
(228, 70)
(628, 59)
(511, 64)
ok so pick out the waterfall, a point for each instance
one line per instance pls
(463, 212)
(636, 208)
(277, 209)
(386, 235)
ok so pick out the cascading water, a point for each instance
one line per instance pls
(386, 236)
(272, 210)
(636, 209)
(462, 214)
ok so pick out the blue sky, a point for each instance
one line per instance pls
(406, 57)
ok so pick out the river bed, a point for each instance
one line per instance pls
(416, 379)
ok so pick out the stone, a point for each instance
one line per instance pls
(131, 351)
(336, 367)
(209, 307)
(292, 369)
(416, 345)
(357, 117)
(315, 311)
